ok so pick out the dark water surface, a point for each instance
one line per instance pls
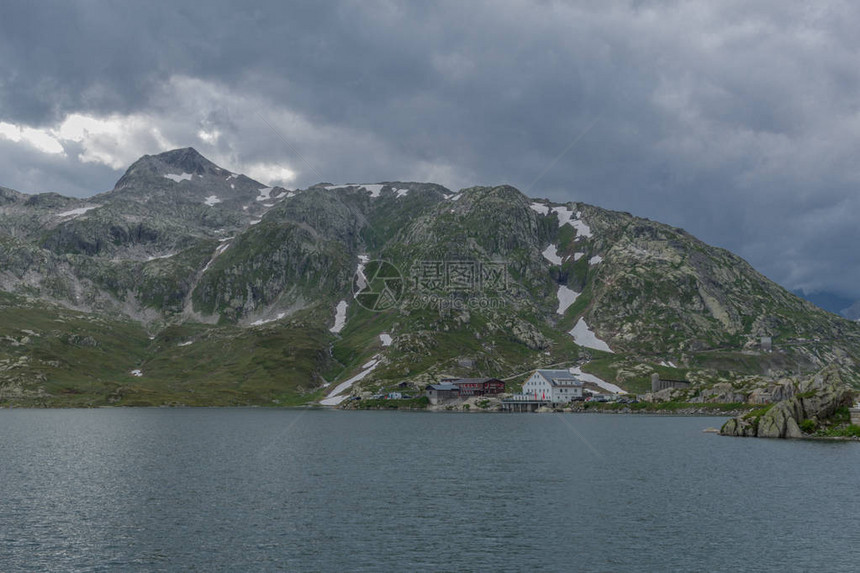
(271, 490)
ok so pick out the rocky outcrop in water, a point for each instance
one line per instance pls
(814, 400)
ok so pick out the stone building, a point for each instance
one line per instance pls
(444, 392)
(658, 383)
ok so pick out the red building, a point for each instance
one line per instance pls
(478, 386)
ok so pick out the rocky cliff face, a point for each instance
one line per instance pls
(487, 277)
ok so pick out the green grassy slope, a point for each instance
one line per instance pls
(50, 356)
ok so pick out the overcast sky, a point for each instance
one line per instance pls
(737, 120)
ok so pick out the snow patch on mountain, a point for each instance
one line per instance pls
(595, 259)
(167, 256)
(178, 178)
(582, 230)
(567, 217)
(263, 321)
(385, 339)
(225, 243)
(265, 194)
(77, 212)
(564, 215)
(540, 208)
(212, 200)
(339, 317)
(566, 297)
(360, 278)
(402, 192)
(550, 253)
(577, 256)
(583, 336)
(374, 190)
(586, 377)
(338, 395)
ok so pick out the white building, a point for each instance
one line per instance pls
(556, 386)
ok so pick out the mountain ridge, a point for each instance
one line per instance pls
(181, 245)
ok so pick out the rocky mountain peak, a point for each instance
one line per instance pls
(178, 162)
(188, 159)
(9, 196)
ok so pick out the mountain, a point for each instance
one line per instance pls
(852, 312)
(837, 304)
(187, 283)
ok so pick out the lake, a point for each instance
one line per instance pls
(316, 490)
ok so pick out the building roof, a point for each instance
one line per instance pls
(473, 380)
(443, 386)
(560, 377)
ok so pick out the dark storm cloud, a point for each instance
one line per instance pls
(23, 169)
(738, 121)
